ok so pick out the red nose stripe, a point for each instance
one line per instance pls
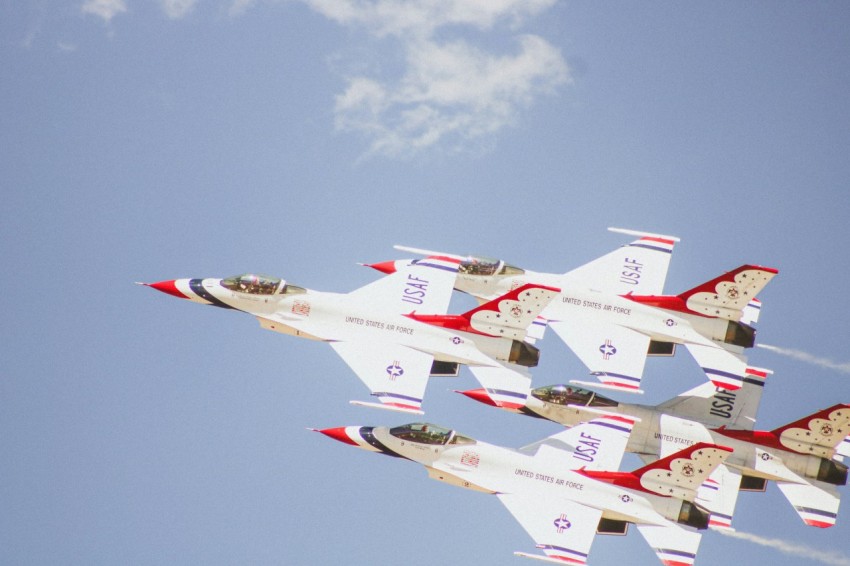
(387, 267)
(338, 433)
(479, 395)
(169, 287)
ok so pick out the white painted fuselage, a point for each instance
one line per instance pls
(334, 317)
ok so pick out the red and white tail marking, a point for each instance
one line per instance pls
(511, 314)
(727, 296)
(682, 473)
(819, 434)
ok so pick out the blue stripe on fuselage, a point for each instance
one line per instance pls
(198, 288)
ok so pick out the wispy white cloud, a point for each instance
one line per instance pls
(239, 7)
(792, 549)
(422, 17)
(33, 29)
(176, 9)
(66, 46)
(448, 91)
(104, 9)
(843, 367)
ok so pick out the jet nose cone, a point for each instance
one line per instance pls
(169, 287)
(387, 267)
(479, 395)
(341, 433)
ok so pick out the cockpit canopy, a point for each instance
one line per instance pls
(426, 433)
(571, 395)
(484, 266)
(260, 285)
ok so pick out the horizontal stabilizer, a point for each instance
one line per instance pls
(751, 312)
(724, 369)
(536, 330)
(674, 545)
(843, 449)
(719, 494)
(815, 502)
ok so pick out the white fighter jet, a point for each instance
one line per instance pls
(611, 312)
(561, 489)
(803, 457)
(380, 330)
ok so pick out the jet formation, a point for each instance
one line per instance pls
(700, 448)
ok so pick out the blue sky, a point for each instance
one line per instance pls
(144, 141)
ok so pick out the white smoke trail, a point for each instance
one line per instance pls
(792, 549)
(809, 358)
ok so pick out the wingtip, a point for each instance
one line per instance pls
(641, 233)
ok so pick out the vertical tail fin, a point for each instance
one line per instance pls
(598, 444)
(508, 316)
(726, 296)
(640, 266)
(513, 313)
(819, 434)
(716, 406)
(424, 284)
(680, 474)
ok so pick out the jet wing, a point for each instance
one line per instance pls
(614, 354)
(724, 369)
(395, 374)
(424, 285)
(673, 543)
(639, 267)
(562, 529)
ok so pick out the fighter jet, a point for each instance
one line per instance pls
(611, 312)
(380, 330)
(800, 457)
(561, 489)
